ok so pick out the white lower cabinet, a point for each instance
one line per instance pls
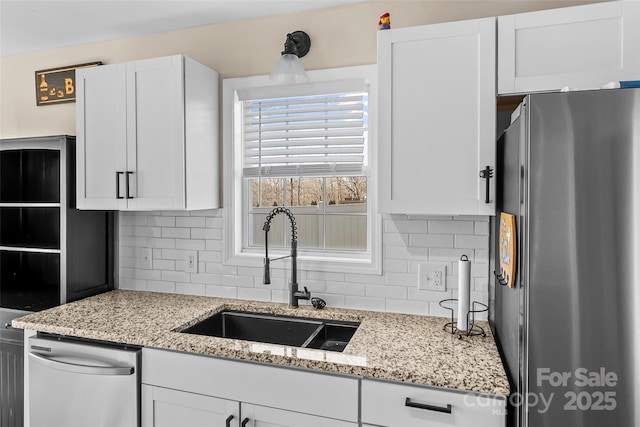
(185, 390)
(390, 404)
(165, 407)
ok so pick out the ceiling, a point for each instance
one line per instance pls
(31, 26)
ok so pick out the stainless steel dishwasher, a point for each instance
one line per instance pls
(77, 383)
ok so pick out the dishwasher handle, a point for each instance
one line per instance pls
(81, 369)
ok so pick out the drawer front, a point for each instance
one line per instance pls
(389, 404)
(325, 395)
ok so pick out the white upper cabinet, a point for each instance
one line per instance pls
(437, 118)
(579, 47)
(147, 135)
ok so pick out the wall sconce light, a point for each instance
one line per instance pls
(289, 68)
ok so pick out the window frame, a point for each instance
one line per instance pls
(236, 231)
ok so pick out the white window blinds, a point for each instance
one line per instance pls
(321, 130)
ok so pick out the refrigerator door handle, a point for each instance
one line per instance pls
(81, 369)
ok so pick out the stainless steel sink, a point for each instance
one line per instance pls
(331, 335)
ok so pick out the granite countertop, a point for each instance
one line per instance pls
(390, 346)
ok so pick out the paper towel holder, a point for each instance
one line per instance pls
(474, 328)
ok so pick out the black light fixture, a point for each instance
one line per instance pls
(289, 68)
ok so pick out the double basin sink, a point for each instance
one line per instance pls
(322, 334)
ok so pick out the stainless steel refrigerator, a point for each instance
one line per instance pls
(569, 329)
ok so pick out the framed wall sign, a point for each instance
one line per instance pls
(57, 85)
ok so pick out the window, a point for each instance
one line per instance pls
(307, 147)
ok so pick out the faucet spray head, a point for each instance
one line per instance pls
(267, 275)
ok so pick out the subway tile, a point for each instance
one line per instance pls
(129, 262)
(314, 286)
(126, 273)
(471, 241)
(250, 271)
(210, 256)
(132, 284)
(405, 253)
(394, 266)
(344, 288)
(471, 218)
(255, 294)
(133, 241)
(444, 254)
(430, 217)
(216, 267)
(325, 275)
(402, 279)
(214, 245)
(206, 278)
(161, 286)
(365, 303)
(365, 278)
(191, 222)
(415, 294)
(405, 226)
(407, 240)
(279, 295)
(190, 288)
(220, 291)
(176, 233)
(333, 300)
(164, 264)
(206, 233)
(214, 223)
(161, 221)
(206, 212)
(408, 307)
(147, 274)
(395, 239)
(241, 281)
(432, 240)
(436, 310)
(175, 213)
(482, 228)
(451, 227)
(130, 218)
(190, 244)
(162, 243)
(480, 284)
(176, 276)
(383, 291)
(481, 256)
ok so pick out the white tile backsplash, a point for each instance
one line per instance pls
(407, 240)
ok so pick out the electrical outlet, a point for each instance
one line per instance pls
(191, 262)
(146, 259)
(433, 276)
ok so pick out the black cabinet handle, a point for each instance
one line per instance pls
(244, 422)
(445, 409)
(128, 194)
(486, 173)
(227, 422)
(118, 196)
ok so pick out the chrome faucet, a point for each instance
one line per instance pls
(294, 293)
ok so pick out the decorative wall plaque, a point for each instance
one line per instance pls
(57, 85)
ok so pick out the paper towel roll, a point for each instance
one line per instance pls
(464, 290)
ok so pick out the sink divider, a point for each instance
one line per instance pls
(313, 335)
